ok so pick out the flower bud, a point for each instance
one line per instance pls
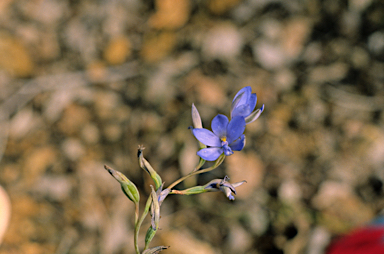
(197, 123)
(127, 186)
(144, 164)
(149, 236)
(191, 191)
(196, 119)
(155, 209)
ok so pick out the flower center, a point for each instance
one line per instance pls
(223, 141)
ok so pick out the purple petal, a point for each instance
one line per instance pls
(219, 125)
(227, 150)
(241, 98)
(231, 188)
(238, 144)
(254, 115)
(241, 110)
(245, 91)
(252, 101)
(206, 137)
(235, 128)
(210, 154)
(227, 192)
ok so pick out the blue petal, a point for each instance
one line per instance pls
(206, 137)
(238, 144)
(231, 197)
(252, 101)
(241, 110)
(210, 154)
(254, 115)
(219, 125)
(245, 91)
(235, 128)
(241, 98)
(227, 150)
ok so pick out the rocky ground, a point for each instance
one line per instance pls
(83, 83)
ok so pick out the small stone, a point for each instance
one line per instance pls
(158, 46)
(23, 123)
(290, 192)
(90, 134)
(118, 50)
(209, 90)
(170, 14)
(97, 71)
(73, 149)
(294, 36)
(270, 56)
(239, 240)
(313, 52)
(4, 5)
(57, 188)
(284, 79)
(38, 161)
(318, 240)
(332, 72)
(73, 119)
(223, 42)
(14, 56)
(359, 5)
(113, 132)
(221, 6)
(360, 58)
(376, 43)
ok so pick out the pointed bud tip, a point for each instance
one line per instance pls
(109, 169)
(140, 150)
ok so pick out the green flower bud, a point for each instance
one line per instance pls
(127, 186)
(191, 191)
(144, 164)
(149, 236)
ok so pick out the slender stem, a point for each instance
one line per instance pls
(136, 236)
(140, 221)
(136, 212)
(201, 163)
(218, 163)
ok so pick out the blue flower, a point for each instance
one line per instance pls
(225, 138)
(243, 105)
(224, 186)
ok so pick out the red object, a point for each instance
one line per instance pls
(368, 240)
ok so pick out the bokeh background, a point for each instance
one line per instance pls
(83, 83)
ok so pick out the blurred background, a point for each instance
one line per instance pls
(83, 83)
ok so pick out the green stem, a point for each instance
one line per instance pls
(140, 221)
(217, 163)
(136, 233)
(201, 163)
